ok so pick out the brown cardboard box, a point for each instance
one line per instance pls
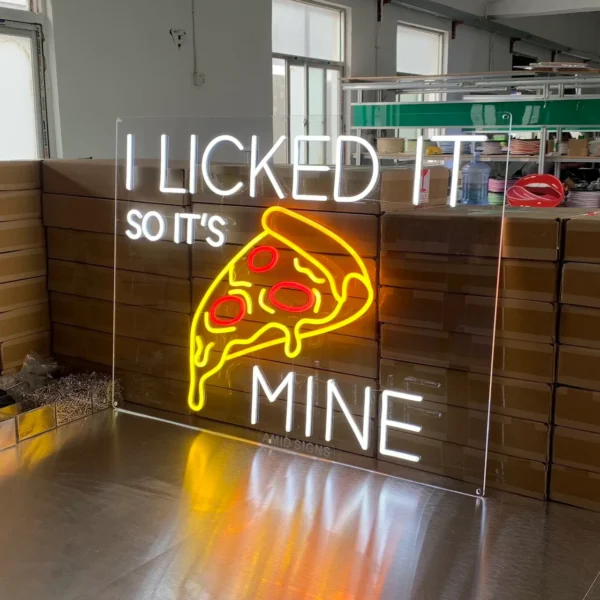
(506, 473)
(155, 392)
(581, 241)
(331, 352)
(397, 186)
(579, 367)
(519, 360)
(244, 223)
(96, 178)
(98, 215)
(20, 175)
(14, 351)
(137, 289)
(580, 326)
(231, 406)
(576, 487)
(24, 322)
(510, 397)
(578, 148)
(21, 235)
(20, 206)
(137, 322)
(514, 437)
(577, 409)
(237, 375)
(140, 356)
(365, 326)
(24, 264)
(581, 284)
(520, 279)
(19, 294)
(354, 181)
(159, 258)
(578, 449)
(517, 319)
(474, 231)
(207, 263)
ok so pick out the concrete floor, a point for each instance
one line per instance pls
(117, 506)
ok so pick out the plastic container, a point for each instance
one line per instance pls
(475, 181)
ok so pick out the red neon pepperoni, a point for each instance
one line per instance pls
(291, 285)
(227, 321)
(256, 252)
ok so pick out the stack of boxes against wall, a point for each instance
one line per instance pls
(438, 277)
(575, 475)
(153, 290)
(24, 320)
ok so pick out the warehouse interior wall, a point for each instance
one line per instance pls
(111, 58)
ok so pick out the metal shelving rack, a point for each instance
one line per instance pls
(539, 101)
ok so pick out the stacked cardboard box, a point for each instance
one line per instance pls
(24, 322)
(575, 477)
(438, 276)
(153, 292)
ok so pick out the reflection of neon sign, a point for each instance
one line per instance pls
(216, 337)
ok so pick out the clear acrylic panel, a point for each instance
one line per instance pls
(341, 310)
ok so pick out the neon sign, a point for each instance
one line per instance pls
(215, 337)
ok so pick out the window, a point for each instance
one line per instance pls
(419, 51)
(18, 4)
(21, 105)
(308, 43)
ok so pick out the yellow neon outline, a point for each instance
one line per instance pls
(292, 344)
(307, 271)
(318, 299)
(263, 304)
(232, 279)
(211, 329)
(202, 363)
(246, 297)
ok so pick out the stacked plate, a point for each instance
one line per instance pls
(525, 147)
(563, 148)
(491, 148)
(583, 199)
(446, 147)
(390, 145)
(496, 190)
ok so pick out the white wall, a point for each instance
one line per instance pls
(116, 58)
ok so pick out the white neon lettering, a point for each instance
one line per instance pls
(129, 175)
(308, 428)
(206, 163)
(193, 164)
(299, 167)
(213, 224)
(263, 165)
(333, 392)
(136, 234)
(385, 422)
(457, 139)
(190, 227)
(258, 379)
(162, 226)
(418, 172)
(339, 162)
(164, 165)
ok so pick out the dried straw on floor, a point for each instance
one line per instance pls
(76, 396)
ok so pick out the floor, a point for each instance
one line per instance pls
(117, 506)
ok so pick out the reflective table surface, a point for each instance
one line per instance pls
(116, 506)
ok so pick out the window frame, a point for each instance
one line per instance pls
(442, 50)
(33, 31)
(343, 13)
